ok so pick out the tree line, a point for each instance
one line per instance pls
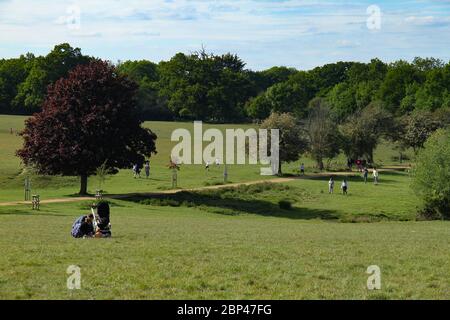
(219, 88)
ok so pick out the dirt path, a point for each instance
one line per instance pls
(231, 185)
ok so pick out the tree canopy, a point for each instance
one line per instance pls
(219, 88)
(88, 119)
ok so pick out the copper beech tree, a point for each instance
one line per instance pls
(88, 119)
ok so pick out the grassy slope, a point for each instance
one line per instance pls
(209, 252)
(12, 176)
(164, 252)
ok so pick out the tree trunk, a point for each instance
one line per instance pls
(320, 163)
(83, 187)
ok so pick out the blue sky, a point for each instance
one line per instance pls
(264, 33)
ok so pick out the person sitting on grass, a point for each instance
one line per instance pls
(344, 186)
(83, 227)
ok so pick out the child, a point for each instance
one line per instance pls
(302, 169)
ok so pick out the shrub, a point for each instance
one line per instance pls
(285, 204)
(431, 176)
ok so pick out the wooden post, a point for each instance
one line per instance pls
(225, 173)
(174, 178)
(27, 188)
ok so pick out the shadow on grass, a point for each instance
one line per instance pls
(217, 202)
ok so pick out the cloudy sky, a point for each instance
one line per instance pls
(297, 33)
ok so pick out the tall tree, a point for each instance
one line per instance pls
(45, 71)
(323, 134)
(417, 128)
(292, 143)
(89, 119)
(364, 129)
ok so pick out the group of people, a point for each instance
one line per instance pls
(137, 170)
(207, 163)
(94, 225)
(344, 184)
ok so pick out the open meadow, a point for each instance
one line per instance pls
(225, 243)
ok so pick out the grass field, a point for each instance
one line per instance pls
(225, 243)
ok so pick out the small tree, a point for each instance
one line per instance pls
(102, 173)
(417, 127)
(291, 143)
(323, 134)
(431, 174)
(363, 130)
(86, 118)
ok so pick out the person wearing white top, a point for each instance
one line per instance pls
(375, 176)
(331, 185)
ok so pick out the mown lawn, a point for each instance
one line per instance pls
(222, 244)
(187, 253)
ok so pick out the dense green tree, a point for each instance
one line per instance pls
(204, 86)
(12, 73)
(431, 175)
(400, 75)
(146, 75)
(45, 71)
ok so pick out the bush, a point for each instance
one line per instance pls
(431, 176)
(285, 204)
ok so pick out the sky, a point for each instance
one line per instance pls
(264, 33)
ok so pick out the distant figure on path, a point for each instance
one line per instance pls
(344, 186)
(147, 169)
(217, 162)
(207, 166)
(302, 169)
(331, 185)
(375, 176)
(366, 174)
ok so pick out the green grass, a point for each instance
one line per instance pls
(12, 174)
(222, 244)
(187, 253)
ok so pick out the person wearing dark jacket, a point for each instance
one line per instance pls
(83, 227)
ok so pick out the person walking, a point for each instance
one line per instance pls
(375, 176)
(331, 185)
(344, 186)
(207, 166)
(302, 169)
(147, 169)
(366, 174)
